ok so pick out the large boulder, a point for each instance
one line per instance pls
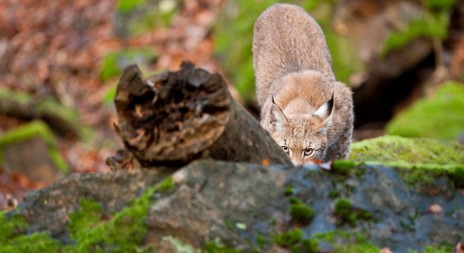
(241, 207)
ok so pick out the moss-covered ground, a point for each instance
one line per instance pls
(423, 159)
(439, 117)
(408, 152)
(91, 229)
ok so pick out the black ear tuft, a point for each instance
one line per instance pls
(325, 110)
(330, 104)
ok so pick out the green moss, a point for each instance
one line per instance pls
(307, 246)
(345, 213)
(441, 249)
(334, 194)
(343, 207)
(293, 240)
(114, 63)
(409, 153)
(344, 242)
(301, 213)
(34, 243)
(229, 224)
(364, 215)
(91, 229)
(13, 238)
(430, 26)
(288, 191)
(439, 5)
(356, 248)
(167, 185)
(420, 159)
(261, 240)
(21, 99)
(432, 23)
(35, 128)
(289, 238)
(109, 67)
(10, 227)
(294, 201)
(124, 231)
(126, 6)
(90, 214)
(31, 130)
(343, 167)
(50, 107)
(437, 117)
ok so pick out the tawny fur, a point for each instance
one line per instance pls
(295, 85)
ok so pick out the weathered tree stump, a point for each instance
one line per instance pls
(176, 117)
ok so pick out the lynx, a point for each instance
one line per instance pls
(304, 108)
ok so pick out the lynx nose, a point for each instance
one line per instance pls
(297, 160)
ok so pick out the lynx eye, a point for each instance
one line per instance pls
(308, 151)
(285, 149)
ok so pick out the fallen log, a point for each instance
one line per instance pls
(176, 117)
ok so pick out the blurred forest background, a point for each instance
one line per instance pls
(60, 61)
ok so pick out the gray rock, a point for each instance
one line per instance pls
(245, 206)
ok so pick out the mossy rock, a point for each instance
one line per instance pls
(438, 117)
(423, 158)
(407, 152)
(91, 228)
(31, 130)
(158, 219)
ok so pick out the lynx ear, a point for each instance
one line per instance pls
(325, 111)
(278, 119)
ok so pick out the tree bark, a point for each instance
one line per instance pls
(176, 117)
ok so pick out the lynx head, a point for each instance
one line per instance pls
(302, 136)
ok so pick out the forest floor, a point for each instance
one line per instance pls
(55, 49)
